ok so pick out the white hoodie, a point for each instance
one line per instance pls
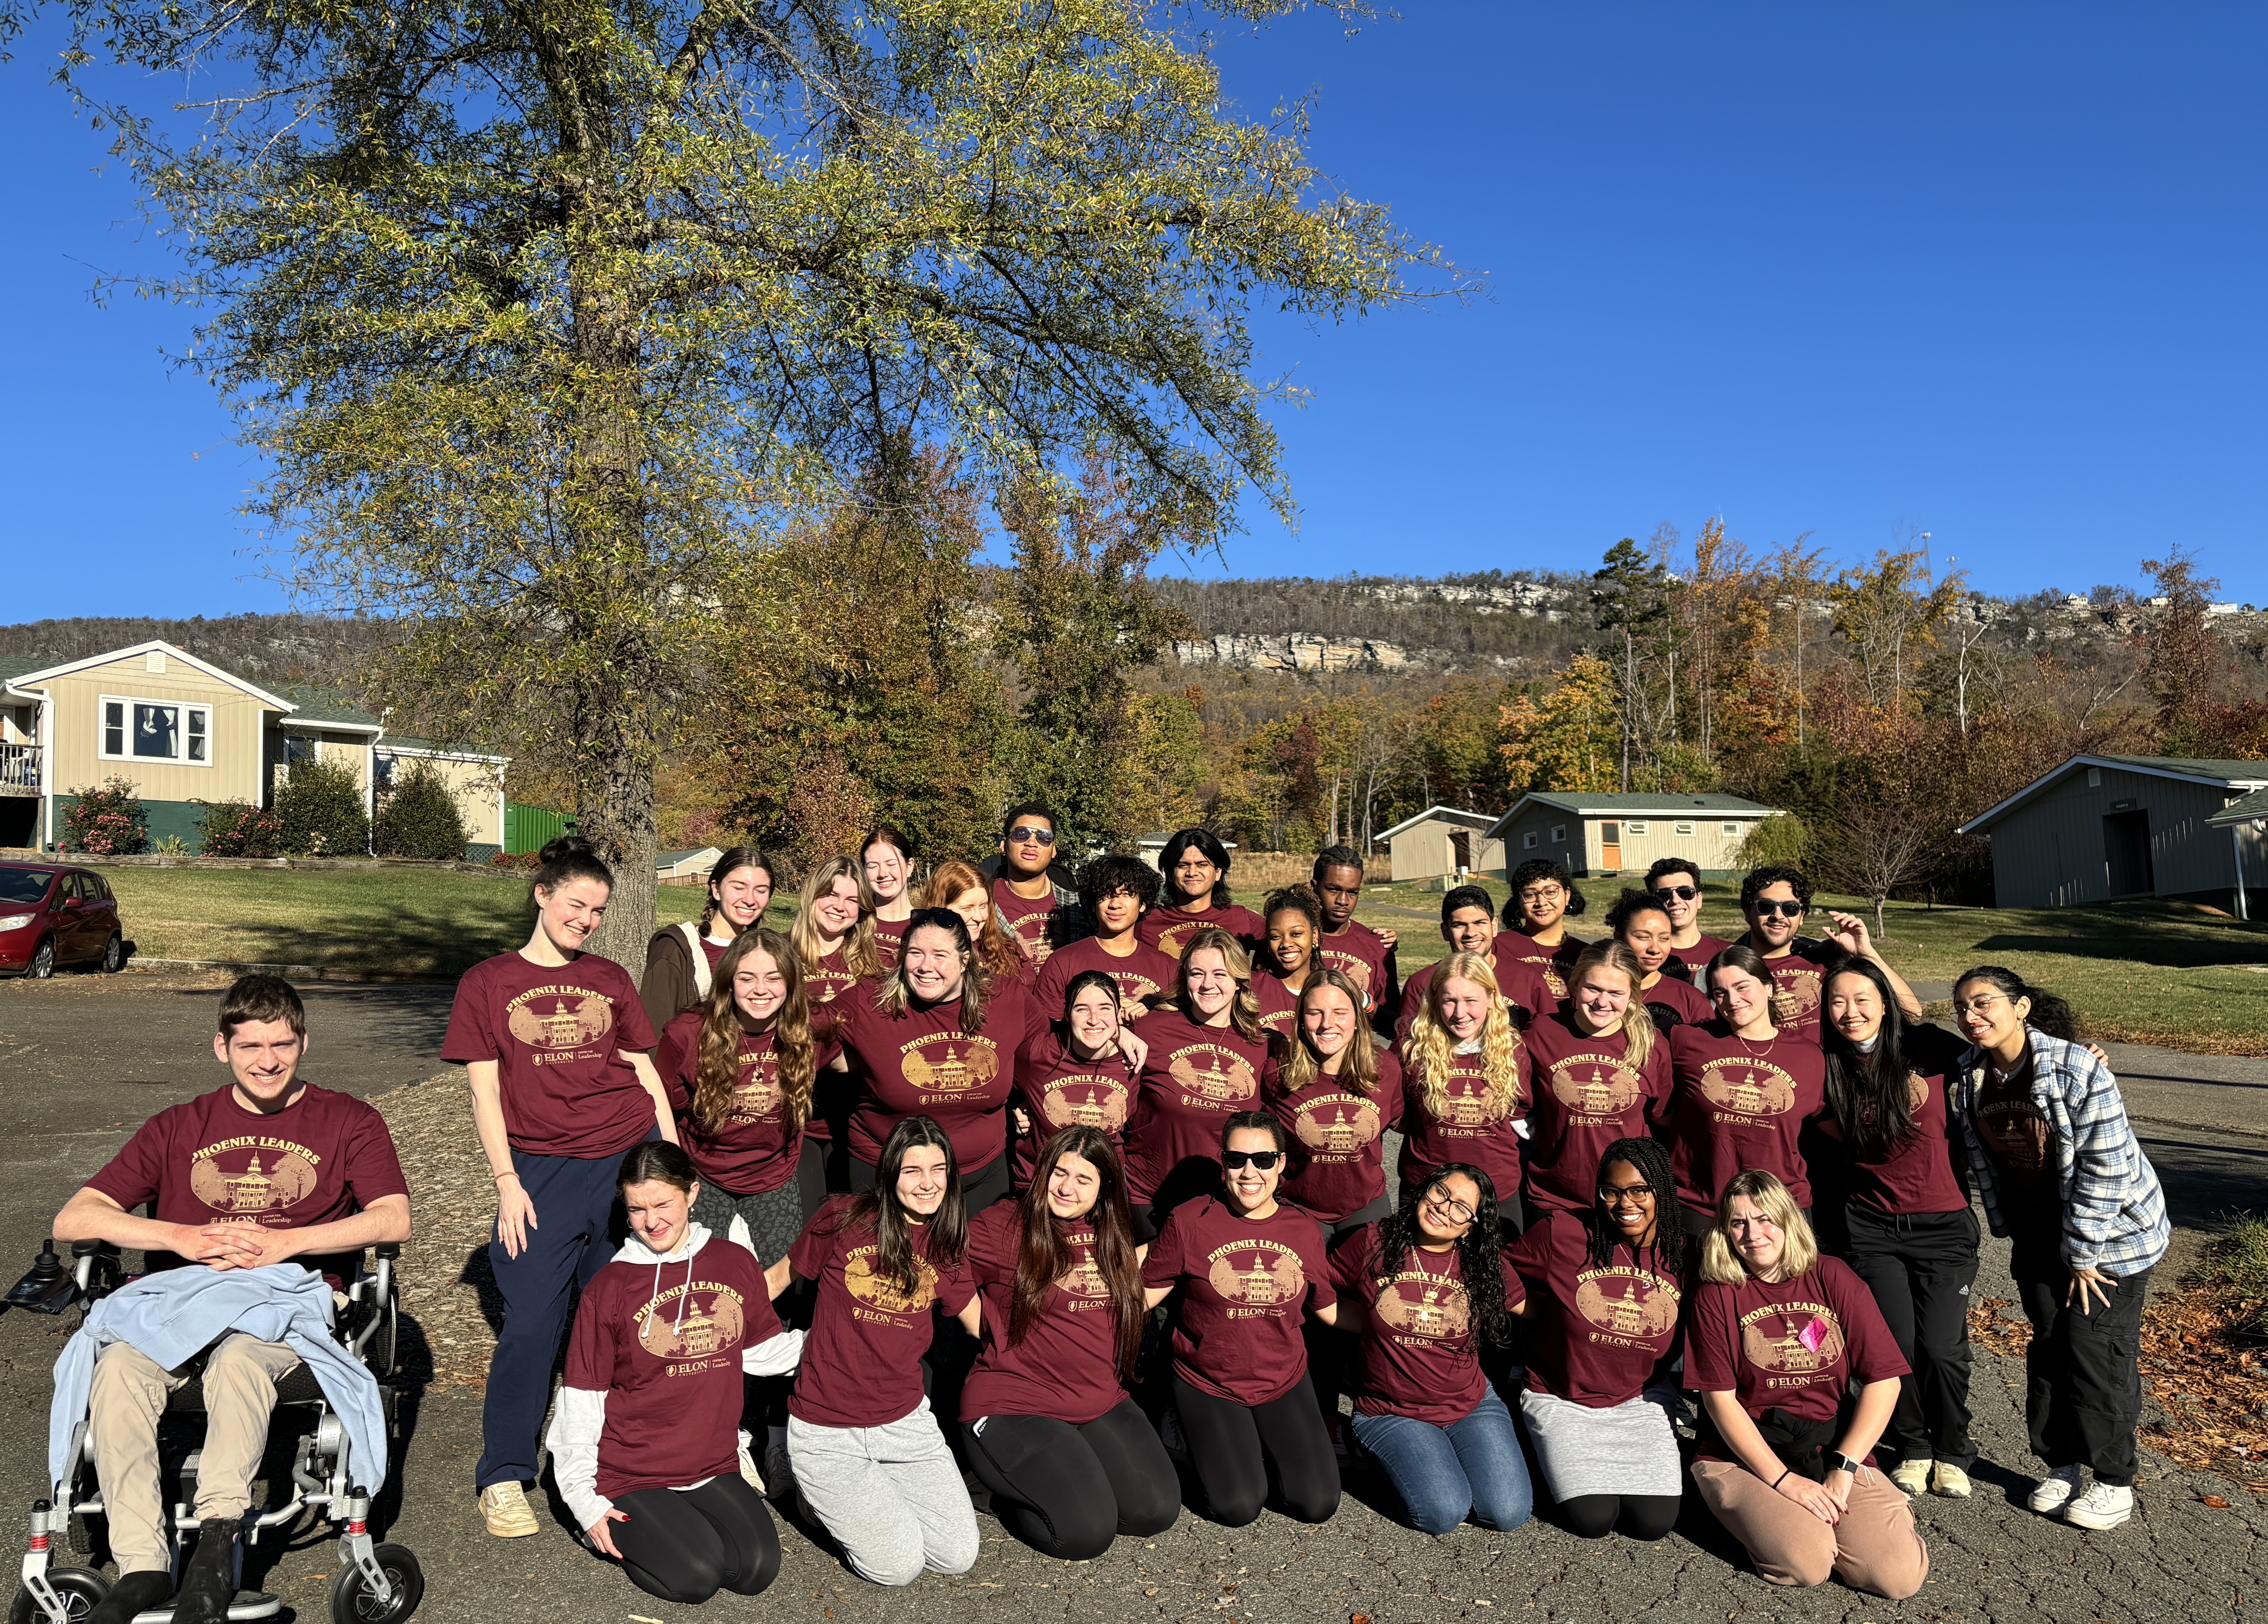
(580, 1415)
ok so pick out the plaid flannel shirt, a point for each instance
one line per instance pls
(2114, 1214)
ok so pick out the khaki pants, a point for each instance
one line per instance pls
(128, 1397)
(1873, 1548)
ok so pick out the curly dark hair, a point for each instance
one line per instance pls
(1527, 874)
(1479, 1251)
(1098, 877)
(1630, 905)
(1649, 1159)
(2050, 1014)
(1753, 885)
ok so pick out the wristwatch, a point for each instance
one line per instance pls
(1837, 1462)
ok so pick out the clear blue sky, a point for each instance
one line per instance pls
(1993, 272)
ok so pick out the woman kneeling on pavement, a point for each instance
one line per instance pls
(1072, 1461)
(1778, 1335)
(1605, 1287)
(645, 1441)
(2063, 1177)
(1423, 1288)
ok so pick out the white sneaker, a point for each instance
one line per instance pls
(2103, 1505)
(1911, 1475)
(504, 1508)
(1950, 1481)
(2054, 1491)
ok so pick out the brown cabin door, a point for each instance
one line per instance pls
(1610, 847)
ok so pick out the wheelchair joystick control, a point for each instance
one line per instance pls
(46, 1287)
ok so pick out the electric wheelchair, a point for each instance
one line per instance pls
(377, 1583)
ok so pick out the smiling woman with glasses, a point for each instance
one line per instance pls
(1543, 900)
(1251, 1270)
(1605, 1285)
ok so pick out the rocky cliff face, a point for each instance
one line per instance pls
(1295, 651)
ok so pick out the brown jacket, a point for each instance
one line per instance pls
(670, 985)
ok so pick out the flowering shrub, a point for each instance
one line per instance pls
(239, 829)
(108, 822)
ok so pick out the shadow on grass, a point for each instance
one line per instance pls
(2136, 934)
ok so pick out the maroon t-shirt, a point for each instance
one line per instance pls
(1695, 959)
(1248, 1285)
(1586, 1095)
(1922, 1175)
(919, 1064)
(1468, 1129)
(1145, 977)
(1168, 929)
(862, 1356)
(665, 1347)
(1598, 1334)
(1361, 955)
(1067, 1364)
(561, 1036)
(1799, 981)
(831, 976)
(1194, 1076)
(1521, 984)
(752, 1151)
(1030, 920)
(1735, 1105)
(1420, 1356)
(1794, 1345)
(2014, 1132)
(1551, 963)
(1279, 1005)
(1673, 1003)
(889, 939)
(1057, 1090)
(1337, 1163)
(323, 1157)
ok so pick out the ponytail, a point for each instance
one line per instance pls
(566, 857)
(2048, 1014)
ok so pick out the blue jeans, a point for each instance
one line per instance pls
(1443, 1473)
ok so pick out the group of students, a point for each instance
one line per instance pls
(1081, 1190)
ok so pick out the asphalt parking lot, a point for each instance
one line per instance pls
(84, 1059)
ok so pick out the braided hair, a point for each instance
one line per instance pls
(1649, 1159)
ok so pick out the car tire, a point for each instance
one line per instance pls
(114, 954)
(43, 961)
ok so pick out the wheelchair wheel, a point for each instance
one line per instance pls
(352, 1603)
(82, 1589)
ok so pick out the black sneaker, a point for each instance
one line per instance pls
(209, 1582)
(134, 1592)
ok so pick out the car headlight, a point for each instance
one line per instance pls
(17, 921)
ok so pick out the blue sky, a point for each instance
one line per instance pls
(1990, 272)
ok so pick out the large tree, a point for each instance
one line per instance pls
(543, 311)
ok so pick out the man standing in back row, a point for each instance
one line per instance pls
(1364, 956)
(1039, 914)
(1675, 883)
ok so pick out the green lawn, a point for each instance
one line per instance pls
(2138, 972)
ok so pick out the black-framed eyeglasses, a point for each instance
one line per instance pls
(1449, 1206)
(1024, 835)
(1766, 906)
(1683, 893)
(1625, 1194)
(1232, 1160)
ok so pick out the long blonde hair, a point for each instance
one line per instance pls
(718, 1071)
(860, 955)
(1244, 1008)
(1800, 1249)
(1359, 1071)
(1430, 1059)
(1638, 1020)
(998, 956)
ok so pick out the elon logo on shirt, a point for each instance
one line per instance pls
(1338, 1124)
(1418, 1304)
(1795, 1339)
(1084, 1101)
(560, 1018)
(1625, 1302)
(1588, 1086)
(1219, 1076)
(702, 1327)
(1257, 1274)
(1795, 992)
(248, 1177)
(1742, 1088)
(879, 1291)
(948, 1063)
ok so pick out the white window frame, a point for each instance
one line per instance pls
(1729, 828)
(1527, 840)
(1637, 828)
(1684, 825)
(1558, 832)
(187, 707)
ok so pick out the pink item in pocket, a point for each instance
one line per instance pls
(1813, 1334)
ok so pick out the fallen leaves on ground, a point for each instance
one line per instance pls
(445, 1272)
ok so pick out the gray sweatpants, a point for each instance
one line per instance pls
(891, 1495)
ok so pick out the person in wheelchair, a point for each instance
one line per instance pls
(268, 1171)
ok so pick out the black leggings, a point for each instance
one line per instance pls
(1068, 1491)
(685, 1545)
(1240, 1451)
(1641, 1517)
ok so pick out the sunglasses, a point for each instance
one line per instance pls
(1231, 1160)
(1765, 908)
(1683, 893)
(1022, 834)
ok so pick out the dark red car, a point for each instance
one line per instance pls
(52, 915)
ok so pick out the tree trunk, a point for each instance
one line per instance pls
(620, 820)
(1881, 930)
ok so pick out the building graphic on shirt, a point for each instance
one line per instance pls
(1337, 1124)
(1088, 1100)
(2015, 1131)
(1213, 1074)
(1745, 1087)
(1792, 1339)
(1469, 1105)
(560, 1018)
(1173, 939)
(948, 1063)
(1585, 1085)
(689, 1321)
(876, 1290)
(1418, 1304)
(1917, 1097)
(1355, 968)
(757, 1097)
(1258, 1273)
(246, 1178)
(1084, 1278)
(1626, 1302)
(1795, 991)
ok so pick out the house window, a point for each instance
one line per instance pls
(1558, 832)
(1729, 828)
(2094, 778)
(381, 768)
(297, 749)
(1634, 829)
(154, 730)
(1684, 827)
(1527, 840)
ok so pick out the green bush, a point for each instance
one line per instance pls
(239, 829)
(419, 817)
(319, 811)
(1779, 839)
(108, 822)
